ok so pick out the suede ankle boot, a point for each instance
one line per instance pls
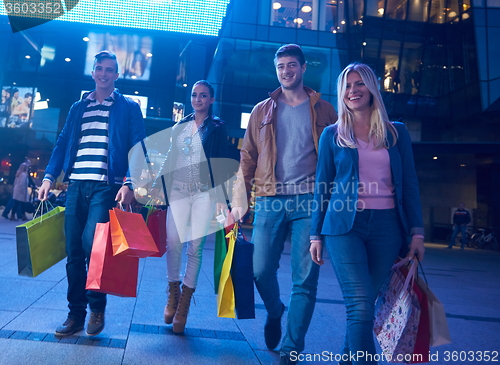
(174, 293)
(181, 314)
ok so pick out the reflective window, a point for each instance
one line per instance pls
(375, 8)
(292, 14)
(433, 80)
(452, 11)
(396, 9)
(334, 16)
(391, 81)
(419, 10)
(437, 12)
(356, 9)
(318, 75)
(411, 64)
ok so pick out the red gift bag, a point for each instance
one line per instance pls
(157, 225)
(116, 275)
(423, 339)
(130, 235)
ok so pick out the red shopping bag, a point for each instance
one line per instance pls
(130, 235)
(423, 338)
(157, 225)
(116, 275)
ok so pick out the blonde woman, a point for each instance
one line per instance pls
(368, 204)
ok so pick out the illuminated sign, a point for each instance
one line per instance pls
(186, 16)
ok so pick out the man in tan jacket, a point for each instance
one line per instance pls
(278, 158)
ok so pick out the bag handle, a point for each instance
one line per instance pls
(150, 203)
(47, 205)
(128, 207)
(240, 231)
(148, 161)
(422, 270)
(412, 270)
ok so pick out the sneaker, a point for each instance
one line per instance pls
(96, 323)
(70, 326)
(285, 359)
(272, 330)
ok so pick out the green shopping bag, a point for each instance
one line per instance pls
(220, 255)
(41, 243)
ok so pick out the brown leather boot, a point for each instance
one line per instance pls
(181, 314)
(174, 293)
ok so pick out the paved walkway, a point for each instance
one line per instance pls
(467, 282)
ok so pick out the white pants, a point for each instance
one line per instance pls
(188, 220)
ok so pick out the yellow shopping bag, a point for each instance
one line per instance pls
(225, 296)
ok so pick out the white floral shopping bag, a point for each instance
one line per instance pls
(397, 314)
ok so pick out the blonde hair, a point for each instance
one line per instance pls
(379, 120)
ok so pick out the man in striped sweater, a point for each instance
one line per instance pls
(92, 149)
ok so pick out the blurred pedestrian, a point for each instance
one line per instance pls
(461, 218)
(20, 192)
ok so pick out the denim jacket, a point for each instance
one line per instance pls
(126, 128)
(337, 177)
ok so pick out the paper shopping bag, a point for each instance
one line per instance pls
(225, 296)
(422, 341)
(116, 275)
(242, 276)
(130, 235)
(397, 315)
(219, 256)
(440, 334)
(157, 225)
(41, 243)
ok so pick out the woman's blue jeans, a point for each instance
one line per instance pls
(362, 260)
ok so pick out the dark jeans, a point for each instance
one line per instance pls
(15, 208)
(362, 259)
(88, 203)
(456, 229)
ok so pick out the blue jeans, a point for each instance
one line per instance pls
(458, 228)
(15, 208)
(362, 259)
(88, 203)
(275, 218)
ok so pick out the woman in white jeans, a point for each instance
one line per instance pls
(195, 140)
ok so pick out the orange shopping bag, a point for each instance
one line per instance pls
(116, 275)
(130, 235)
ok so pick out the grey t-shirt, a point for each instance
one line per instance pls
(296, 155)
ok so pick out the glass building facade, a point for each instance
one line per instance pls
(436, 61)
